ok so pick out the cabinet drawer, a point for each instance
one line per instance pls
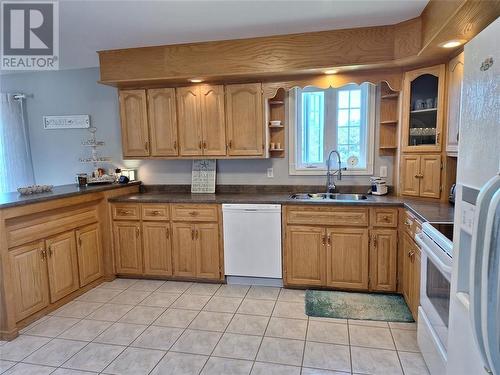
(384, 217)
(411, 224)
(357, 217)
(126, 212)
(155, 212)
(195, 212)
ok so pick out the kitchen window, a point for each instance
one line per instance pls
(339, 119)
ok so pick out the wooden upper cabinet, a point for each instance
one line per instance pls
(29, 279)
(62, 264)
(89, 249)
(207, 251)
(410, 169)
(244, 121)
(189, 121)
(157, 248)
(162, 122)
(128, 249)
(423, 109)
(455, 75)
(383, 260)
(183, 249)
(213, 120)
(430, 172)
(347, 258)
(305, 255)
(134, 123)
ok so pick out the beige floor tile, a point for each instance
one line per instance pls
(175, 287)
(232, 345)
(369, 323)
(119, 283)
(405, 340)
(287, 328)
(248, 324)
(31, 325)
(147, 285)
(27, 369)
(263, 292)
(158, 299)
(316, 371)
(77, 309)
(375, 361)
(238, 291)
(292, 295)
(67, 371)
(142, 315)
(202, 289)
(190, 302)
(135, 361)
(110, 312)
(332, 333)
(155, 337)
(21, 347)
(294, 310)
(176, 318)
(94, 357)
(102, 295)
(197, 342)
(372, 337)
(408, 326)
(223, 304)
(256, 307)
(327, 320)
(130, 297)
(211, 321)
(53, 326)
(121, 334)
(85, 330)
(5, 365)
(282, 351)
(180, 364)
(413, 363)
(327, 356)
(55, 353)
(262, 368)
(226, 366)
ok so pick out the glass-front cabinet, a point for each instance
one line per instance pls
(423, 104)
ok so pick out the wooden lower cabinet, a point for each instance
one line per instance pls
(383, 260)
(128, 249)
(411, 274)
(157, 248)
(62, 265)
(183, 250)
(207, 251)
(305, 255)
(90, 258)
(30, 281)
(347, 258)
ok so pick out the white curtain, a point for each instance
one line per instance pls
(16, 166)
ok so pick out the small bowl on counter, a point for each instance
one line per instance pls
(34, 189)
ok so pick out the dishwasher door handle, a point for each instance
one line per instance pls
(251, 209)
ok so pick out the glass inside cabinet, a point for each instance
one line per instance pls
(423, 110)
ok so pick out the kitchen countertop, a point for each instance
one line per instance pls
(63, 191)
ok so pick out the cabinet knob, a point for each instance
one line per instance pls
(204, 145)
(193, 213)
(175, 145)
(230, 144)
(155, 213)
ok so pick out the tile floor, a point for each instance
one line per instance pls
(153, 327)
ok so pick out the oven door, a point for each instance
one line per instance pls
(435, 287)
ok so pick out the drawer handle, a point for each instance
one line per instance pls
(155, 213)
(408, 223)
(50, 251)
(323, 240)
(137, 232)
(329, 240)
(43, 254)
(193, 213)
(192, 234)
(124, 212)
(374, 242)
(386, 218)
(167, 234)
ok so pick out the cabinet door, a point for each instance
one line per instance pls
(207, 251)
(347, 258)
(430, 176)
(128, 251)
(157, 248)
(189, 120)
(212, 120)
(305, 255)
(415, 295)
(407, 269)
(410, 170)
(455, 78)
(29, 279)
(383, 260)
(134, 123)
(62, 264)
(245, 127)
(90, 259)
(183, 250)
(162, 122)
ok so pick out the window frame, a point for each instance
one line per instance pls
(295, 141)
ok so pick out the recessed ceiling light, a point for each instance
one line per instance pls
(452, 43)
(331, 71)
(195, 80)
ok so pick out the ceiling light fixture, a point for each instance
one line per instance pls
(195, 80)
(452, 43)
(331, 71)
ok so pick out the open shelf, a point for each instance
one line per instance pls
(389, 122)
(389, 147)
(389, 115)
(427, 110)
(276, 126)
(276, 102)
(276, 149)
(276, 134)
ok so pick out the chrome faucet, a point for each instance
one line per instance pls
(330, 185)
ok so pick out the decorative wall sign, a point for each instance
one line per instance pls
(66, 122)
(203, 176)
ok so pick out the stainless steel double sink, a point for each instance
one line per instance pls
(328, 196)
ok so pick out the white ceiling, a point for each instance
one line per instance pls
(89, 26)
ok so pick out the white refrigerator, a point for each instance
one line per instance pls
(474, 325)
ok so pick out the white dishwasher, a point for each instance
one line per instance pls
(252, 240)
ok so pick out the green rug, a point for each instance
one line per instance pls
(365, 306)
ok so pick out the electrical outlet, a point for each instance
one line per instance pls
(383, 171)
(270, 172)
